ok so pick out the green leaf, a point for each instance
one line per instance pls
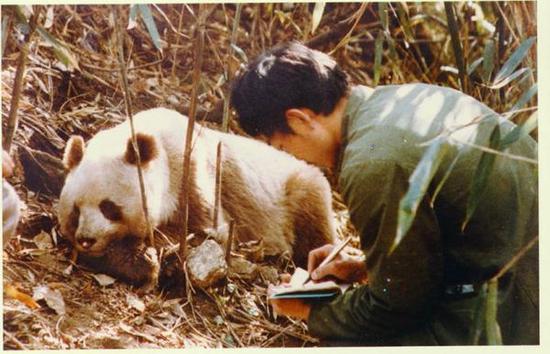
(317, 15)
(527, 95)
(479, 316)
(132, 18)
(383, 14)
(499, 84)
(515, 60)
(491, 324)
(403, 16)
(472, 67)
(240, 53)
(147, 17)
(419, 182)
(445, 178)
(519, 131)
(488, 60)
(481, 175)
(61, 51)
(378, 46)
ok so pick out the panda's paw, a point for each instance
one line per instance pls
(151, 283)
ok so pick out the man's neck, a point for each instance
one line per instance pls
(334, 125)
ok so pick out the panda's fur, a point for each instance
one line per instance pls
(270, 194)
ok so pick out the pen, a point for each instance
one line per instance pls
(335, 251)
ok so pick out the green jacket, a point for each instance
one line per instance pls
(405, 301)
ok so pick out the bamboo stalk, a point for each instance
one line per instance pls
(218, 188)
(457, 48)
(229, 244)
(128, 108)
(516, 258)
(491, 323)
(228, 73)
(199, 40)
(18, 82)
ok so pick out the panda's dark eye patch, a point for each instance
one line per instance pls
(73, 218)
(110, 210)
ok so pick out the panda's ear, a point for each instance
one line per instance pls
(74, 151)
(147, 149)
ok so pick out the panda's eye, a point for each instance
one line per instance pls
(110, 210)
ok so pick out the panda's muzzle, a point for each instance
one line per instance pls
(86, 243)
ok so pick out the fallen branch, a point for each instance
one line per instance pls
(128, 107)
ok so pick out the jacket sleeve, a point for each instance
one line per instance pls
(403, 285)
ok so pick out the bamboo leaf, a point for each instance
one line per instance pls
(527, 95)
(317, 15)
(147, 17)
(472, 67)
(61, 51)
(378, 46)
(132, 18)
(418, 185)
(488, 60)
(479, 316)
(515, 60)
(445, 178)
(240, 52)
(491, 324)
(499, 84)
(383, 14)
(481, 176)
(519, 131)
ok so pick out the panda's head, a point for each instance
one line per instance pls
(100, 201)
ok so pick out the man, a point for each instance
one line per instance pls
(426, 291)
(10, 201)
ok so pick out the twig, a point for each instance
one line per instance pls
(15, 340)
(228, 73)
(516, 258)
(18, 82)
(128, 107)
(229, 242)
(457, 48)
(497, 152)
(357, 16)
(334, 33)
(190, 125)
(218, 187)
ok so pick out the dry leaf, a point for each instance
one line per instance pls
(103, 280)
(12, 292)
(53, 298)
(134, 302)
(43, 240)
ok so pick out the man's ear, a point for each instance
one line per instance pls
(147, 149)
(300, 120)
(74, 151)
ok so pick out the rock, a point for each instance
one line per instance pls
(243, 268)
(270, 274)
(43, 172)
(206, 264)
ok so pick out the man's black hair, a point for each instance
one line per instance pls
(289, 75)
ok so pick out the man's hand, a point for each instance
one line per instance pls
(345, 267)
(289, 307)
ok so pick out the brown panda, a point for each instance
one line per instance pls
(270, 194)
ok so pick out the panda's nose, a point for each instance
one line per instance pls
(86, 242)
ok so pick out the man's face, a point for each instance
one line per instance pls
(311, 148)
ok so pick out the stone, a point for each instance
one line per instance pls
(206, 264)
(243, 268)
